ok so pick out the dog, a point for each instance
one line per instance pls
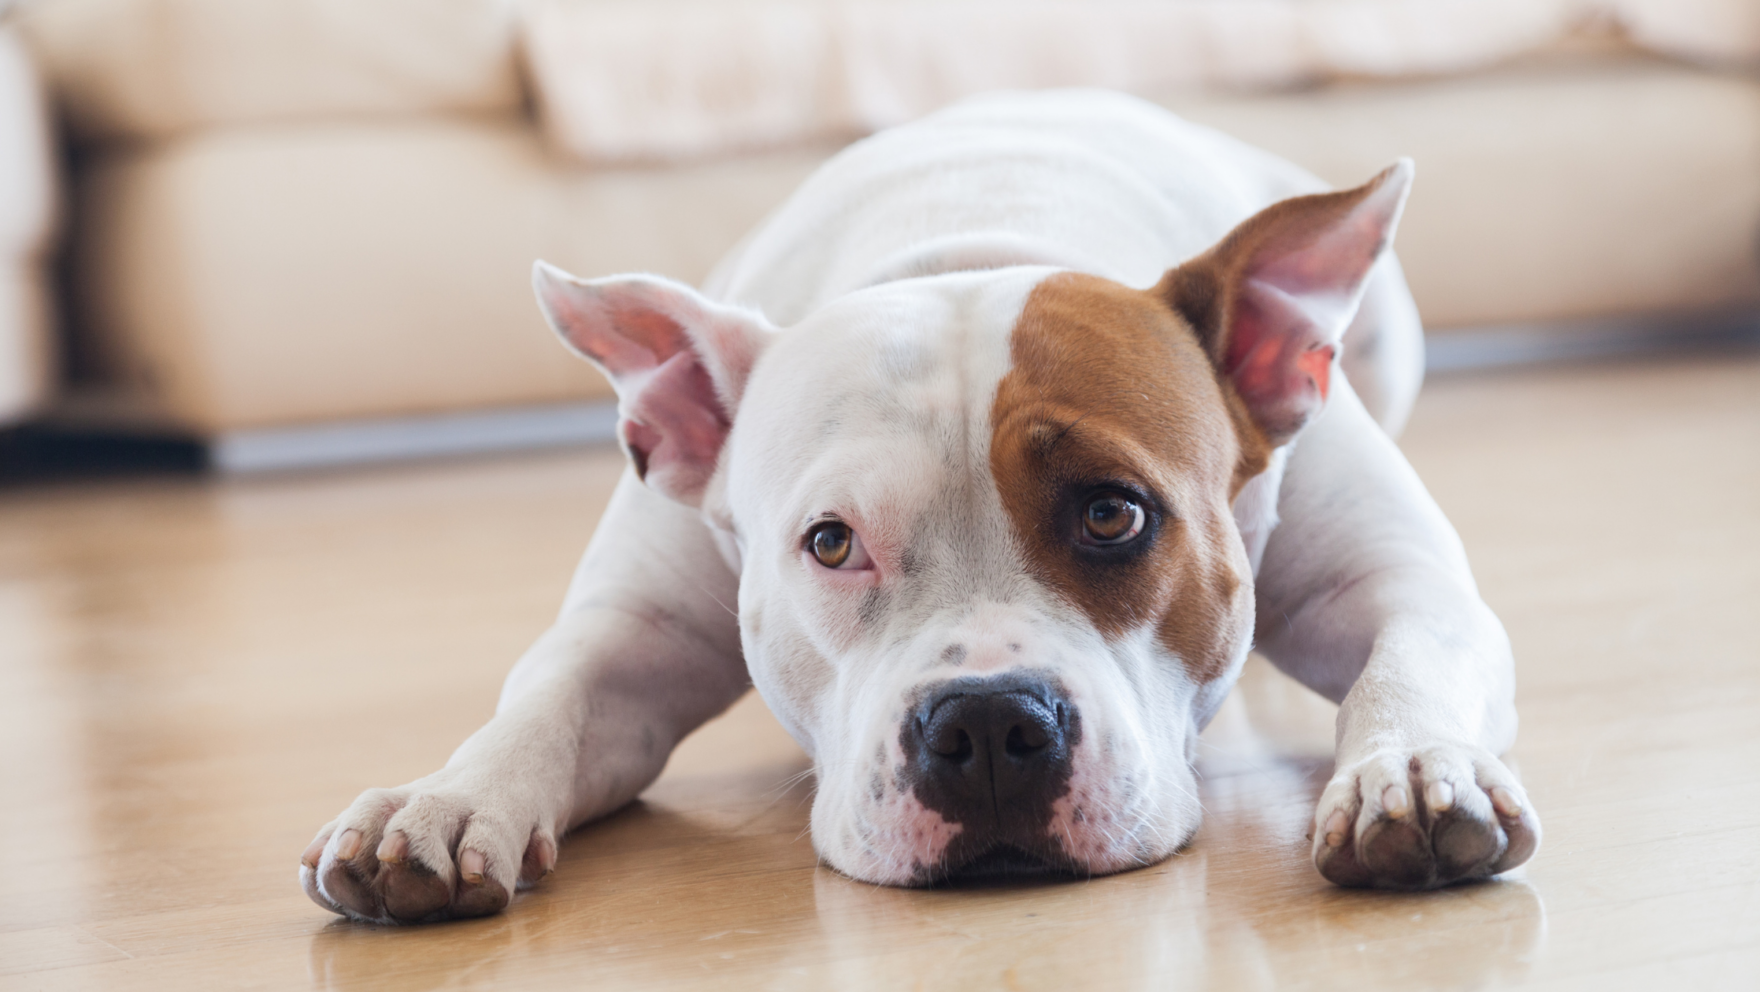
(987, 458)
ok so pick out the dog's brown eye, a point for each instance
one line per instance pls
(1111, 518)
(831, 543)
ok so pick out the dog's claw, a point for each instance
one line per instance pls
(539, 860)
(348, 846)
(315, 850)
(470, 867)
(394, 849)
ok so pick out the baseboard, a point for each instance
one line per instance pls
(1448, 352)
(79, 440)
(1589, 340)
(277, 449)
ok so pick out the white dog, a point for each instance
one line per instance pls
(1001, 432)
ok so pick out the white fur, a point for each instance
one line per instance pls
(896, 274)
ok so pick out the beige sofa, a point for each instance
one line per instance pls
(27, 210)
(296, 213)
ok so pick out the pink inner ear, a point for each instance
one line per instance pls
(1317, 363)
(1280, 362)
(675, 425)
(1275, 296)
(624, 339)
(1331, 262)
(677, 360)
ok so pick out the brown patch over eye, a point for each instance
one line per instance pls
(830, 543)
(1114, 450)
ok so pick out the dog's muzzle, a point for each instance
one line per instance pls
(993, 754)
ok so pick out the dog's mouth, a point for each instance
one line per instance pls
(1003, 863)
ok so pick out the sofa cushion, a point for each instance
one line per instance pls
(292, 273)
(650, 80)
(644, 79)
(1544, 191)
(124, 69)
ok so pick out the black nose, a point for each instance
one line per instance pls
(992, 753)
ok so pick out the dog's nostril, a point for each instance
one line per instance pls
(1025, 738)
(952, 743)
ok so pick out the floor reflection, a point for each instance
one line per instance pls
(713, 877)
(1200, 919)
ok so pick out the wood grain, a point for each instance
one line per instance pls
(195, 674)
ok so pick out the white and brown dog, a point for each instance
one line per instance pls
(1001, 432)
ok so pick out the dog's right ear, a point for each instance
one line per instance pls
(678, 360)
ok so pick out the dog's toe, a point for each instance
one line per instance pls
(539, 859)
(309, 862)
(1335, 854)
(479, 894)
(411, 889)
(1465, 844)
(1521, 825)
(348, 882)
(413, 892)
(1396, 854)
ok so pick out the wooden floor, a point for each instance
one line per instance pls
(195, 675)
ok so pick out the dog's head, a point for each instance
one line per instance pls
(991, 574)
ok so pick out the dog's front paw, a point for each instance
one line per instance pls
(1422, 818)
(435, 849)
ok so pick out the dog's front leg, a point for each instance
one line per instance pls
(1365, 596)
(646, 649)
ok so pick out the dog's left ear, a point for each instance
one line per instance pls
(1272, 299)
(678, 360)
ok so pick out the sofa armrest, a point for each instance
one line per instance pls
(27, 222)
